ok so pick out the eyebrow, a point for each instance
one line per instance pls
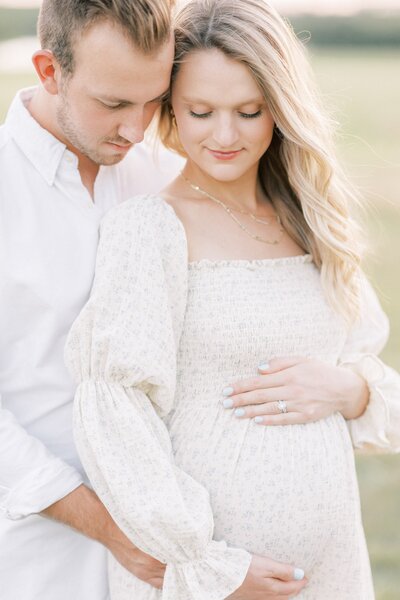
(258, 100)
(113, 99)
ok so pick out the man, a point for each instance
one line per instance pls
(104, 68)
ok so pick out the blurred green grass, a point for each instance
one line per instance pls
(362, 89)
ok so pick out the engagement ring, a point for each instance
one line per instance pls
(282, 406)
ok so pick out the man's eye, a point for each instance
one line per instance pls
(199, 115)
(112, 106)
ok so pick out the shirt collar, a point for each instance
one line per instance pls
(40, 147)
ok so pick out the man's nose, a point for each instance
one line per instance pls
(132, 130)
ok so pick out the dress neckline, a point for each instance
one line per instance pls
(251, 263)
(206, 263)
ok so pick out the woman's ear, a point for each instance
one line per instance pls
(48, 70)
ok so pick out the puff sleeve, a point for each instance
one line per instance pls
(122, 352)
(378, 429)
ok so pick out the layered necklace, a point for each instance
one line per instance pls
(230, 211)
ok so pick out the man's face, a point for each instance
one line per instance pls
(105, 106)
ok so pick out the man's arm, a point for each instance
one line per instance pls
(83, 511)
(31, 477)
(35, 481)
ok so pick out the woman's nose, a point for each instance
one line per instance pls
(226, 134)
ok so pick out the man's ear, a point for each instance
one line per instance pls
(48, 70)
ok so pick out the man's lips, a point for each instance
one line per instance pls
(122, 147)
(223, 155)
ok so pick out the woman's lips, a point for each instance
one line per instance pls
(220, 155)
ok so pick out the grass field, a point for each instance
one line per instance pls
(360, 88)
(363, 89)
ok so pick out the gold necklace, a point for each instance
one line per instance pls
(229, 210)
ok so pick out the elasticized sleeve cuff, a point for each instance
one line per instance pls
(369, 432)
(219, 572)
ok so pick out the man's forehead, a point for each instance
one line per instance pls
(110, 67)
(104, 40)
(114, 98)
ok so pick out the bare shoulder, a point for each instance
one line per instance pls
(186, 205)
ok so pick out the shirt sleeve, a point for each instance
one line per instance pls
(378, 428)
(31, 477)
(122, 351)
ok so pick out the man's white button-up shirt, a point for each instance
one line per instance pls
(48, 239)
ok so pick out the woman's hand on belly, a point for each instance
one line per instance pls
(289, 391)
(267, 579)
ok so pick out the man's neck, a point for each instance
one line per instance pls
(43, 111)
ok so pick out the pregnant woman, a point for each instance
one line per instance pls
(249, 254)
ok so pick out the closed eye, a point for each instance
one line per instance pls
(113, 106)
(250, 115)
(242, 114)
(199, 115)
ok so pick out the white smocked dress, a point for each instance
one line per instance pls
(187, 481)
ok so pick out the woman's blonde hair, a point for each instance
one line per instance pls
(299, 172)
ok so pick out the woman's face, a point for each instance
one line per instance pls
(223, 121)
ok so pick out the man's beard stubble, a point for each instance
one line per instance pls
(71, 134)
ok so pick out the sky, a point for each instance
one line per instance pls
(319, 6)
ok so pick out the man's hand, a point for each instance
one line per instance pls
(83, 511)
(142, 565)
(310, 390)
(268, 579)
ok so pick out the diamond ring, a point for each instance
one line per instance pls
(282, 406)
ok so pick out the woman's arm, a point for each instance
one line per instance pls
(311, 390)
(122, 351)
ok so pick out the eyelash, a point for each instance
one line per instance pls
(122, 105)
(243, 115)
(112, 107)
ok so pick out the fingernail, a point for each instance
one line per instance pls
(227, 403)
(263, 366)
(298, 574)
(239, 412)
(227, 391)
(258, 419)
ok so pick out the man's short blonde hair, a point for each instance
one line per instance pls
(147, 23)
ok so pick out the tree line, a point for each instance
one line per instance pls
(362, 29)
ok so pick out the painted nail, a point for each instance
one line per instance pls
(239, 412)
(227, 391)
(263, 366)
(227, 403)
(258, 419)
(298, 574)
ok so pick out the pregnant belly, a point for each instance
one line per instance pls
(278, 491)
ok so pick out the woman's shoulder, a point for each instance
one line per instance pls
(148, 223)
(143, 206)
(141, 213)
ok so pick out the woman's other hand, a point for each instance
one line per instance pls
(297, 390)
(267, 579)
